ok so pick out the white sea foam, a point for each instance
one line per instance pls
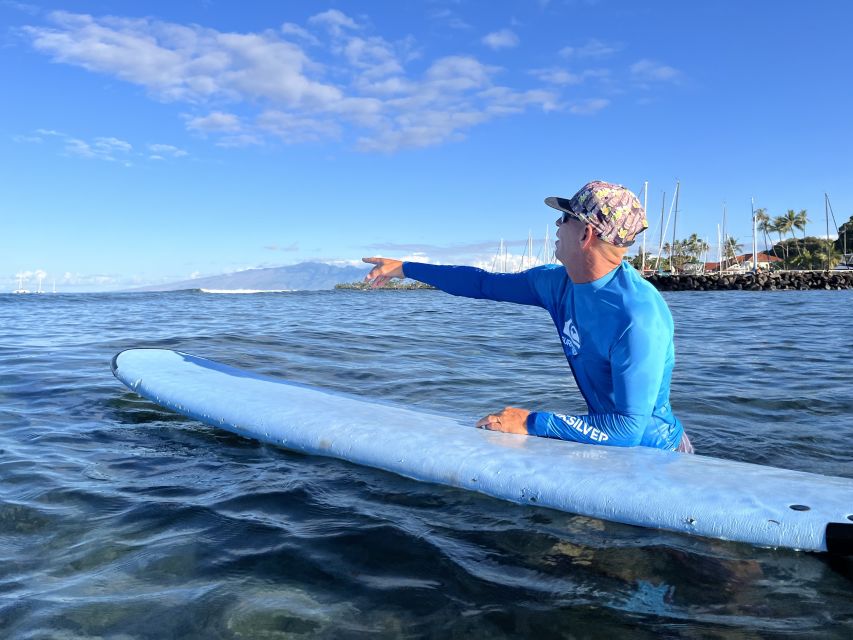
(246, 290)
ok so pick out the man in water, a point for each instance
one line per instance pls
(616, 330)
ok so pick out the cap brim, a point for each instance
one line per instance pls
(560, 204)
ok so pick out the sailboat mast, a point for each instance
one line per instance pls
(754, 239)
(496, 260)
(719, 250)
(828, 245)
(660, 244)
(674, 225)
(529, 249)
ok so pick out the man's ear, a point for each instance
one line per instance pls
(588, 235)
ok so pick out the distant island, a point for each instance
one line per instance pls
(394, 285)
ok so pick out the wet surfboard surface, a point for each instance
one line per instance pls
(693, 494)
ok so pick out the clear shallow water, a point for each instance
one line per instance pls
(121, 520)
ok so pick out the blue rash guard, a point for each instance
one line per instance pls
(617, 334)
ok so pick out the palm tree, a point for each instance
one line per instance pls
(731, 248)
(764, 225)
(828, 256)
(805, 260)
(802, 219)
(792, 219)
(781, 225)
(698, 246)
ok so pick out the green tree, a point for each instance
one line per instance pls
(804, 260)
(801, 219)
(792, 220)
(813, 253)
(695, 247)
(677, 253)
(827, 257)
(640, 259)
(731, 250)
(782, 225)
(762, 219)
(845, 237)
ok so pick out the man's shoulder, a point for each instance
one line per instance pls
(639, 297)
(550, 282)
(549, 272)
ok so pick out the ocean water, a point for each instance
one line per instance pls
(121, 520)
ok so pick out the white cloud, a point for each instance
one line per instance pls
(108, 148)
(650, 71)
(112, 145)
(290, 29)
(333, 20)
(416, 257)
(560, 76)
(103, 148)
(503, 39)
(588, 107)
(179, 63)
(449, 19)
(96, 279)
(593, 48)
(458, 73)
(293, 246)
(555, 75)
(249, 88)
(239, 141)
(215, 122)
(166, 150)
(292, 128)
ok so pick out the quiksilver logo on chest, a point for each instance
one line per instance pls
(571, 337)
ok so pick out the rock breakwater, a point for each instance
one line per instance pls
(777, 281)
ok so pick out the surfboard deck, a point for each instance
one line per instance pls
(692, 494)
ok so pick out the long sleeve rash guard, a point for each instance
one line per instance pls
(617, 334)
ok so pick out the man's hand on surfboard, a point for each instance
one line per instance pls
(510, 420)
(385, 270)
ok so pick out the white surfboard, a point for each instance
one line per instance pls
(697, 495)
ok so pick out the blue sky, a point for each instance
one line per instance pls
(155, 141)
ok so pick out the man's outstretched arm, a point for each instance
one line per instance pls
(469, 282)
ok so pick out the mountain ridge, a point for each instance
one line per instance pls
(304, 276)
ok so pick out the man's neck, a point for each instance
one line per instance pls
(595, 267)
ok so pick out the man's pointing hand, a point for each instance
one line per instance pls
(385, 270)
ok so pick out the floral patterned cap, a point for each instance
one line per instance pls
(613, 211)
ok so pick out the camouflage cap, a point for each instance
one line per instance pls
(613, 211)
